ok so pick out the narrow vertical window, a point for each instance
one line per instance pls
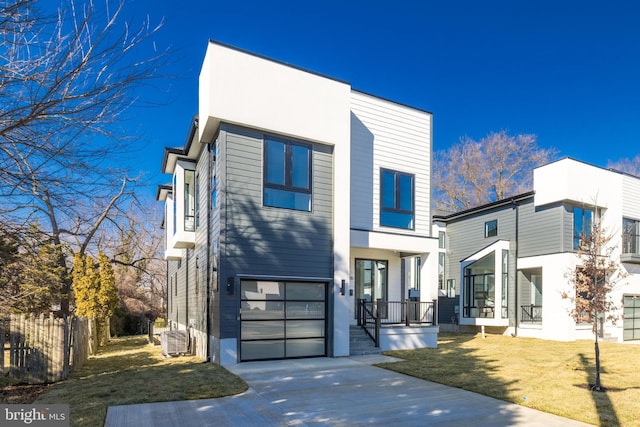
(582, 223)
(189, 200)
(441, 260)
(630, 236)
(197, 200)
(214, 180)
(416, 284)
(175, 206)
(505, 284)
(441, 241)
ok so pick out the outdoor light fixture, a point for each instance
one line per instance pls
(343, 287)
(230, 286)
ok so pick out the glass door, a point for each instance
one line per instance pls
(371, 280)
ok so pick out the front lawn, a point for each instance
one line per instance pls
(547, 375)
(128, 371)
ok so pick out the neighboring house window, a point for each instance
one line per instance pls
(175, 206)
(630, 236)
(416, 284)
(197, 200)
(189, 200)
(397, 195)
(441, 236)
(451, 288)
(441, 260)
(491, 228)
(505, 284)
(287, 175)
(582, 222)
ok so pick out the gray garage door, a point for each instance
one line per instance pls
(282, 319)
(631, 328)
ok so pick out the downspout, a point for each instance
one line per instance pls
(209, 284)
(517, 288)
(186, 287)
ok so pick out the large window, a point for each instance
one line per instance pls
(582, 222)
(287, 175)
(479, 288)
(630, 236)
(396, 199)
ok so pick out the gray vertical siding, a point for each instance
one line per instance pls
(265, 241)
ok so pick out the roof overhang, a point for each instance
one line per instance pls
(190, 151)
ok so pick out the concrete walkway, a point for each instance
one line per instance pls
(333, 392)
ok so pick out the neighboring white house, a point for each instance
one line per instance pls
(293, 197)
(508, 263)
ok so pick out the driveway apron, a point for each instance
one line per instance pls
(333, 392)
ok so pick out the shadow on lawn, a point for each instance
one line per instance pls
(604, 406)
(453, 363)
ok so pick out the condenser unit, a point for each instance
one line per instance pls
(174, 343)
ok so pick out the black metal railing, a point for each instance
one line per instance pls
(372, 315)
(531, 313)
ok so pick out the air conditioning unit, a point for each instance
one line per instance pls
(174, 343)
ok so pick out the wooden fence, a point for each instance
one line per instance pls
(43, 349)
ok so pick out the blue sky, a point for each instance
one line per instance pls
(566, 71)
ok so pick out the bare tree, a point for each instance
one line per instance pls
(592, 281)
(135, 250)
(65, 84)
(472, 173)
(626, 165)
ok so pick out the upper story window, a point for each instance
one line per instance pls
(189, 200)
(491, 228)
(287, 175)
(214, 180)
(582, 222)
(630, 236)
(441, 241)
(397, 199)
(197, 200)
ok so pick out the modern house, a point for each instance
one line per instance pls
(507, 264)
(298, 208)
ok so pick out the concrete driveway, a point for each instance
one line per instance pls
(333, 392)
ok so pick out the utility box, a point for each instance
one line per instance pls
(174, 343)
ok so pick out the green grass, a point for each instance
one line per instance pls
(547, 375)
(130, 370)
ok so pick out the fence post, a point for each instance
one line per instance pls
(435, 312)
(406, 310)
(359, 311)
(378, 311)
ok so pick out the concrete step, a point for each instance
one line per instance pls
(360, 343)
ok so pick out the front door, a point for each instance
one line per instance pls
(371, 280)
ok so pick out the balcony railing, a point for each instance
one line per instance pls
(531, 313)
(372, 315)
